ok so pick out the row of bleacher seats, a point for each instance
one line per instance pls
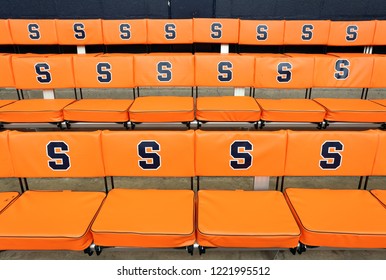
(333, 70)
(278, 71)
(188, 31)
(166, 109)
(73, 220)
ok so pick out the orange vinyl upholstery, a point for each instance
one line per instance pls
(6, 37)
(119, 32)
(306, 32)
(352, 110)
(215, 30)
(103, 71)
(228, 218)
(52, 220)
(148, 153)
(240, 153)
(169, 222)
(330, 153)
(162, 109)
(343, 70)
(170, 31)
(291, 110)
(6, 198)
(6, 167)
(261, 32)
(98, 110)
(33, 31)
(245, 219)
(6, 77)
(380, 195)
(34, 110)
(49, 220)
(56, 154)
(338, 218)
(224, 70)
(380, 29)
(164, 70)
(283, 71)
(43, 71)
(378, 79)
(354, 33)
(379, 167)
(227, 108)
(79, 32)
(127, 220)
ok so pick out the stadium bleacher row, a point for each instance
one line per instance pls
(188, 31)
(245, 46)
(69, 220)
(278, 71)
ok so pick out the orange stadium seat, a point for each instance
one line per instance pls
(228, 218)
(163, 70)
(79, 32)
(34, 110)
(101, 71)
(33, 31)
(380, 29)
(215, 30)
(380, 195)
(338, 218)
(6, 38)
(261, 32)
(352, 110)
(169, 222)
(6, 77)
(170, 31)
(52, 220)
(343, 70)
(225, 70)
(291, 110)
(306, 32)
(330, 153)
(334, 217)
(122, 32)
(351, 33)
(43, 71)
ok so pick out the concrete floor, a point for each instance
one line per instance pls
(96, 184)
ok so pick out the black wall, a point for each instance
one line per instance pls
(245, 9)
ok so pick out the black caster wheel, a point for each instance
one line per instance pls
(190, 250)
(301, 248)
(201, 250)
(88, 251)
(98, 250)
(293, 251)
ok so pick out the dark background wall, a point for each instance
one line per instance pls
(246, 9)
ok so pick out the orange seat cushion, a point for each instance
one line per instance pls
(6, 102)
(227, 109)
(291, 110)
(245, 219)
(98, 110)
(49, 220)
(381, 195)
(146, 218)
(380, 101)
(162, 109)
(352, 110)
(6, 198)
(338, 218)
(34, 110)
